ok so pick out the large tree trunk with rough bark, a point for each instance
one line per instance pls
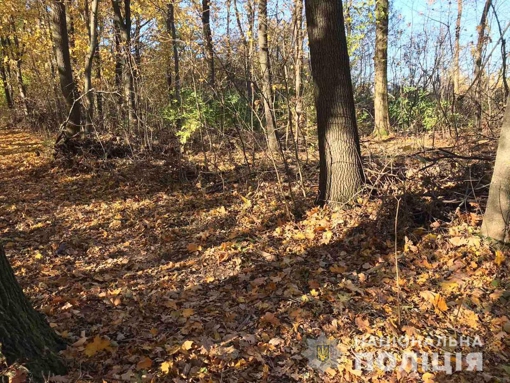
(63, 59)
(382, 119)
(25, 336)
(341, 173)
(265, 69)
(496, 222)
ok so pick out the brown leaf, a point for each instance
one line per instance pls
(144, 364)
(270, 318)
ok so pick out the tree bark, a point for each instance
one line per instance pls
(22, 89)
(298, 64)
(123, 25)
(478, 61)
(456, 52)
(15, 51)
(63, 58)
(25, 336)
(206, 28)
(348, 20)
(91, 53)
(496, 221)
(5, 84)
(170, 24)
(137, 50)
(382, 119)
(265, 68)
(341, 173)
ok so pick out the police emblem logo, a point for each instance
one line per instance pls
(322, 353)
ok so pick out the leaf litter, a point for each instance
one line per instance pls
(152, 279)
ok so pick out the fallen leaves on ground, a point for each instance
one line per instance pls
(152, 279)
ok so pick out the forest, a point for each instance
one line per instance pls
(254, 191)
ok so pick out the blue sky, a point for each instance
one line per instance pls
(418, 12)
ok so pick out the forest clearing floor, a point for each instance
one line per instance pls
(152, 278)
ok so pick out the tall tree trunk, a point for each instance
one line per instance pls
(137, 48)
(298, 64)
(22, 89)
(122, 21)
(99, 97)
(17, 54)
(503, 52)
(341, 173)
(478, 61)
(382, 119)
(348, 20)
(248, 49)
(5, 84)
(496, 222)
(71, 31)
(52, 60)
(170, 24)
(63, 58)
(250, 13)
(456, 52)
(229, 37)
(25, 335)
(206, 28)
(265, 68)
(91, 52)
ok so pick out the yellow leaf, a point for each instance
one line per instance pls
(500, 258)
(331, 372)
(192, 247)
(99, 344)
(186, 313)
(314, 293)
(187, 345)
(470, 318)
(166, 366)
(38, 255)
(440, 303)
(326, 236)
(449, 285)
(246, 201)
(458, 241)
(428, 296)
(299, 235)
(144, 364)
